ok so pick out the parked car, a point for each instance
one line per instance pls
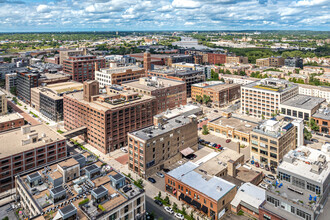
(263, 185)
(272, 177)
(158, 202)
(214, 145)
(216, 110)
(179, 216)
(211, 144)
(228, 140)
(256, 164)
(267, 181)
(262, 166)
(160, 174)
(201, 141)
(315, 140)
(152, 180)
(166, 170)
(206, 142)
(168, 209)
(123, 150)
(191, 156)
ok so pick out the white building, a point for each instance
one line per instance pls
(317, 91)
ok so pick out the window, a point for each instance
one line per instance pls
(211, 204)
(126, 209)
(293, 209)
(303, 214)
(138, 201)
(273, 201)
(313, 188)
(284, 176)
(113, 216)
(298, 182)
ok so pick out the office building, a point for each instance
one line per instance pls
(27, 148)
(237, 60)
(25, 82)
(271, 140)
(153, 148)
(11, 121)
(219, 92)
(48, 100)
(294, 62)
(79, 187)
(3, 103)
(118, 75)
(316, 91)
(188, 76)
(322, 119)
(82, 68)
(301, 106)
(263, 98)
(11, 81)
(208, 195)
(169, 93)
(65, 54)
(303, 187)
(216, 58)
(107, 117)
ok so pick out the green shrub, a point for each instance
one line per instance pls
(240, 212)
(101, 207)
(83, 202)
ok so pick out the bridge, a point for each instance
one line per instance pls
(75, 132)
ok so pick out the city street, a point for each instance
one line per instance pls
(156, 209)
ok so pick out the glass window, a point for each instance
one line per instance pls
(284, 176)
(313, 188)
(298, 182)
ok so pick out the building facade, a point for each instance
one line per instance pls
(270, 62)
(25, 82)
(316, 91)
(11, 121)
(3, 103)
(216, 58)
(11, 81)
(65, 54)
(294, 62)
(237, 59)
(322, 119)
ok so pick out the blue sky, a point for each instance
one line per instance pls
(134, 15)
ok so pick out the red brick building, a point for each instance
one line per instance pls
(107, 117)
(27, 148)
(216, 58)
(82, 68)
(11, 121)
(266, 214)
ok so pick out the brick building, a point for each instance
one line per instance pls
(216, 58)
(168, 92)
(82, 68)
(271, 62)
(11, 121)
(65, 54)
(27, 148)
(3, 103)
(322, 119)
(108, 117)
(237, 59)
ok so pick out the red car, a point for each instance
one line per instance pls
(257, 164)
(218, 146)
(228, 140)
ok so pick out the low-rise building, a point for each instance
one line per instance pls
(302, 189)
(153, 148)
(271, 62)
(169, 93)
(301, 106)
(316, 91)
(237, 59)
(208, 195)
(11, 121)
(216, 58)
(242, 80)
(69, 190)
(322, 119)
(185, 110)
(27, 148)
(294, 62)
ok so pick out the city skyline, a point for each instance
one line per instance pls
(122, 15)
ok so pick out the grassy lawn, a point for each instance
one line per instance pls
(60, 131)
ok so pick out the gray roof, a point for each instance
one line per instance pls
(57, 190)
(67, 210)
(304, 102)
(92, 168)
(118, 176)
(214, 187)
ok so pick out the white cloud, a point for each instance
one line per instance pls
(311, 2)
(188, 23)
(185, 4)
(43, 8)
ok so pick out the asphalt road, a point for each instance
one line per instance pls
(158, 210)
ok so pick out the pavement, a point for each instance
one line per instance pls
(26, 116)
(6, 211)
(156, 209)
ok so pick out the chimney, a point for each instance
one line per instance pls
(91, 88)
(238, 148)
(96, 66)
(231, 168)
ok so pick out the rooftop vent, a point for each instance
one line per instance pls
(219, 189)
(316, 167)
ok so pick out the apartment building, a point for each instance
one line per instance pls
(316, 91)
(219, 92)
(83, 67)
(237, 60)
(301, 106)
(11, 121)
(27, 148)
(322, 119)
(169, 93)
(26, 81)
(48, 100)
(270, 62)
(186, 75)
(79, 187)
(107, 117)
(169, 60)
(294, 62)
(208, 195)
(242, 80)
(263, 98)
(3, 103)
(216, 58)
(10, 81)
(65, 54)
(118, 75)
(262, 62)
(153, 148)
(302, 189)
(271, 140)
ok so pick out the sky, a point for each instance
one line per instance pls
(153, 15)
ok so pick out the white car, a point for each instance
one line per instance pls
(160, 174)
(263, 185)
(168, 209)
(123, 150)
(179, 216)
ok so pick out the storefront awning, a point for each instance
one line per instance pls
(205, 209)
(185, 152)
(187, 199)
(196, 204)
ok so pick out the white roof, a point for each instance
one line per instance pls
(250, 194)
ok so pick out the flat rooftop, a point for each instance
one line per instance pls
(152, 131)
(12, 141)
(184, 110)
(272, 85)
(10, 117)
(239, 124)
(323, 113)
(304, 102)
(176, 72)
(273, 128)
(152, 83)
(250, 194)
(213, 187)
(122, 69)
(208, 84)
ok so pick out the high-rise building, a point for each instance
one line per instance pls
(169, 93)
(263, 98)
(82, 68)
(11, 81)
(107, 117)
(26, 81)
(3, 103)
(65, 54)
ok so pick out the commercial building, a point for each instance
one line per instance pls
(3, 103)
(242, 80)
(322, 119)
(270, 62)
(271, 140)
(65, 54)
(301, 106)
(208, 195)
(263, 98)
(216, 58)
(25, 82)
(188, 76)
(237, 59)
(179, 58)
(219, 92)
(79, 187)
(48, 100)
(153, 148)
(185, 110)
(11, 81)
(107, 117)
(27, 148)
(11, 121)
(82, 68)
(316, 91)
(303, 187)
(248, 199)
(169, 93)
(294, 62)
(118, 75)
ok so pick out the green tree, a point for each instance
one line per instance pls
(167, 200)
(199, 98)
(192, 215)
(175, 206)
(183, 210)
(13, 90)
(262, 116)
(313, 125)
(227, 72)
(205, 130)
(307, 134)
(206, 99)
(159, 195)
